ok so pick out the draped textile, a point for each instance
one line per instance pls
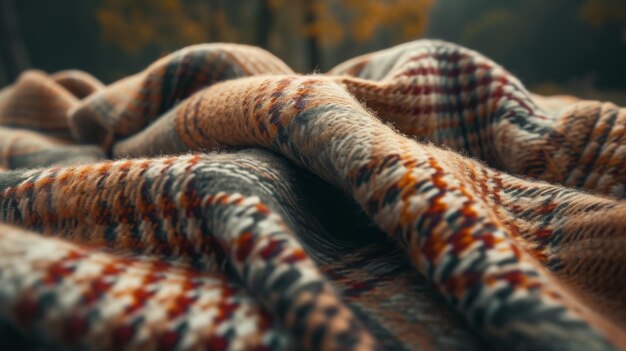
(413, 198)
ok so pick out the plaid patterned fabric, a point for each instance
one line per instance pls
(413, 198)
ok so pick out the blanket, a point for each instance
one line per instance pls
(415, 198)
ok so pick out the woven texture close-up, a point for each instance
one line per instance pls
(414, 198)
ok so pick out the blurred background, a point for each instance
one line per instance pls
(557, 46)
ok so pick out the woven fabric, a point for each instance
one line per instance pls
(416, 198)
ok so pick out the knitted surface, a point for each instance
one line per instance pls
(413, 198)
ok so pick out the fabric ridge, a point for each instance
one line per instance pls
(415, 198)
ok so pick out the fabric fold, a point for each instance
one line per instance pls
(413, 198)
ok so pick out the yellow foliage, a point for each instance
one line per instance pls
(406, 19)
(169, 24)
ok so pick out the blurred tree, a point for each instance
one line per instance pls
(165, 24)
(265, 18)
(311, 21)
(11, 31)
(405, 19)
(598, 12)
(170, 24)
(331, 23)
